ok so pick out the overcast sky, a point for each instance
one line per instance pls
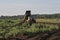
(18, 7)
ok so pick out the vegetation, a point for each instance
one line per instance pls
(7, 29)
(37, 16)
(48, 20)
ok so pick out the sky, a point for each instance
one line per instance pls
(19, 7)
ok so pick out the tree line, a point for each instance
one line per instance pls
(37, 16)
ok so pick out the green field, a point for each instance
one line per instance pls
(49, 20)
(7, 29)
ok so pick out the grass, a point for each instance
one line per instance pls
(49, 20)
(6, 30)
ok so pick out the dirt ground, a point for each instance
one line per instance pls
(55, 35)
